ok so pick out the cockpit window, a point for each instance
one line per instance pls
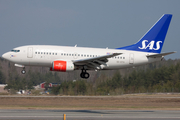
(15, 50)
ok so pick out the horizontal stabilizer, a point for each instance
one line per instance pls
(160, 55)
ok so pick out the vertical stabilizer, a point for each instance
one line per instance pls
(153, 39)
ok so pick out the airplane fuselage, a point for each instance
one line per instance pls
(44, 55)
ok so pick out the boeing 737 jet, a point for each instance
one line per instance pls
(64, 59)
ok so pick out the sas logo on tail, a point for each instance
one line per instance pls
(150, 45)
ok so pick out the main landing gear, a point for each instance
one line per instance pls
(23, 71)
(84, 74)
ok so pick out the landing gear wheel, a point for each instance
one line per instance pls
(23, 71)
(84, 74)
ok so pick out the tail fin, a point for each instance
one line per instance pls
(154, 38)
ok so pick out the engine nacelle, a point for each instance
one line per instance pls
(62, 66)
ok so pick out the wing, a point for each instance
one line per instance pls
(94, 62)
(160, 55)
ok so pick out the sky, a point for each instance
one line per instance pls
(87, 23)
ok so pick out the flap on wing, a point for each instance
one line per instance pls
(100, 59)
(160, 55)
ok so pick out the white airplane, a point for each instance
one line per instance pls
(64, 59)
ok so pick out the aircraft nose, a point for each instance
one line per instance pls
(6, 56)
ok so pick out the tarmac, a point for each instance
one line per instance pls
(33, 114)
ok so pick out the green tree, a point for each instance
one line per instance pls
(2, 78)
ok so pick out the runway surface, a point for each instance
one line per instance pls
(16, 114)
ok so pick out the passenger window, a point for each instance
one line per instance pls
(55, 53)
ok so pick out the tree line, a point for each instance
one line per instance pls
(155, 77)
(163, 79)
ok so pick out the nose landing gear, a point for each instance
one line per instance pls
(23, 71)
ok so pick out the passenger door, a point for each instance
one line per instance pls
(131, 58)
(30, 52)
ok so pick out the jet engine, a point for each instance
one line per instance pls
(62, 66)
